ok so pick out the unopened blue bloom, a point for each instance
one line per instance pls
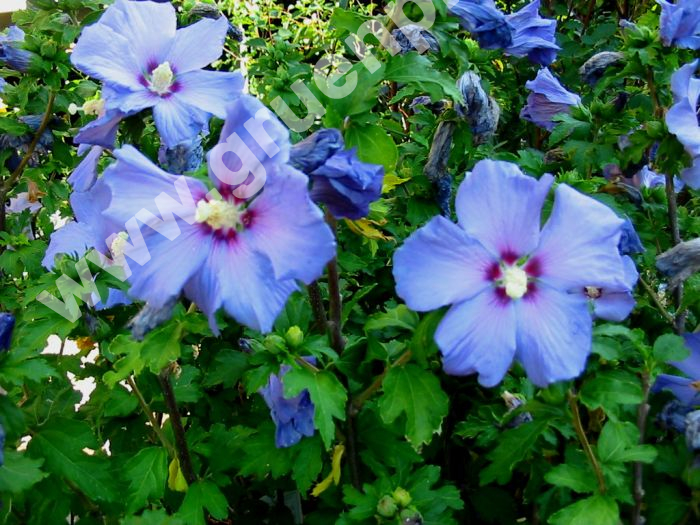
(533, 36)
(145, 62)
(312, 152)
(683, 120)
(487, 24)
(548, 98)
(20, 143)
(183, 157)
(11, 52)
(679, 24)
(293, 417)
(673, 414)
(692, 430)
(339, 179)
(515, 289)
(686, 389)
(595, 67)
(7, 325)
(414, 37)
(244, 255)
(630, 243)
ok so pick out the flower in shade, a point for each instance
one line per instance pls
(3, 83)
(20, 143)
(145, 62)
(339, 179)
(533, 36)
(7, 325)
(413, 37)
(685, 388)
(183, 157)
(487, 24)
(515, 289)
(244, 256)
(679, 24)
(293, 417)
(683, 119)
(11, 51)
(630, 243)
(548, 99)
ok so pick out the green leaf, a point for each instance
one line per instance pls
(610, 388)
(670, 347)
(416, 69)
(61, 443)
(399, 317)
(327, 394)
(147, 472)
(308, 463)
(596, 510)
(618, 443)
(373, 144)
(200, 496)
(572, 477)
(514, 445)
(162, 346)
(227, 369)
(20, 472)
(152, 517)
(411, 390)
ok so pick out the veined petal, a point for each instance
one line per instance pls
(198, 45)
(102, 131)
(578, 245)
(85, 174)
(440, 264)
(616, 304)
(553, 335)
(478, 336)
(149, 27)
(210, 91)
(682, 118)
(691, 175)
(681, 387)
(129, 102)
(106, 55)
(289, 229)
(250, 292)
(136, 183)
(500, 207)
(203, 288)
(170, 263)
(177, 121)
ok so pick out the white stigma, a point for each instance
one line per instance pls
(218, 214)
(514, 281)
(118, 245)
(161, 79)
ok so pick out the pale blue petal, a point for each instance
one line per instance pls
(682, 118)
(439, 264)
(177, 121)
(681, 387)
(85, 174)
(72, 239)
(289, 229)
(690, 366)
(500, 207)
(197, 45)
(210, 91)
(478, 336)
(553, 335)
(578, 245)
(250, 292)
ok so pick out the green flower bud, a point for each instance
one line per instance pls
(294, 336)
(402, 497)
(386, 507)
(274, 344)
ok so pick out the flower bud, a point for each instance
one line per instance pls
(274, 344)
(402, 497)
(294, 336)
(387, 507)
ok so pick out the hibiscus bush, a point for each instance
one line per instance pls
(335, 262)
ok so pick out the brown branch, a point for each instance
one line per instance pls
(183, 453)
(642, 415)
(581, 433)
(149, 414)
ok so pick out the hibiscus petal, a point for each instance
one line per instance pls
(478, 336)
(680, 387)
(690, 366)
(500, 207)
(251, 294)
(289, 229)
(136, 183)
(170, 263)
(198, 45)
(616, 305)
(682, 118)
(210, 91)
(177, 121)
(440, 264)
(553, 334)
(107, 56)
(578, 245)
(136, 22)
(85, 174)
(203, 288)
(73, 239)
